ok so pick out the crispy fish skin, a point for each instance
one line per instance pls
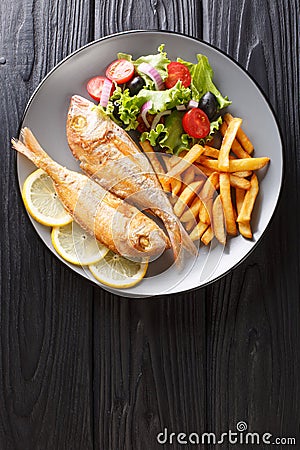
(118, 225)
(108, 155)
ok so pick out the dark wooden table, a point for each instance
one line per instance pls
(83, 369)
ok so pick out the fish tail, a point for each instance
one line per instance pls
(34, 152)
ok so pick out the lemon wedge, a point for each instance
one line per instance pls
(118, 272)
(42, 202)
(76, 246)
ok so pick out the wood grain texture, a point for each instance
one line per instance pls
(254, 312)
(45, 310)
(84, 369)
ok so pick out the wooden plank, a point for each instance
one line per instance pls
(149, 355)
(254, 340)
(45, 309)
(184, 16)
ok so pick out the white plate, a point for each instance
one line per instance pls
(46, 115)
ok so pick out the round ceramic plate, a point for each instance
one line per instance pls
(46, 116)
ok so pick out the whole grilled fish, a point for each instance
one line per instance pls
(108, 155)
(118, 225)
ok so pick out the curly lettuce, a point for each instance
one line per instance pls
(202, 80)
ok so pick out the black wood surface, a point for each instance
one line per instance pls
(83, 369)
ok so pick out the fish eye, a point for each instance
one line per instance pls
(78, 122)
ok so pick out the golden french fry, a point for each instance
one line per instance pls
(207, 236)
(223, 161)
(238, 165)
(227, 204)
(239, 198)
(211, 152)
(198, 231)
(190, 225)
(218, 220)
(243, 174)
(205, 170)
(186, 196)
(207, 195)
(157, 167)
(239, 182)
(186, 161)
(146, 146)
(204, 215)
(244, 227)
(235, 146)
(192, 211)
(241, 136)
(249, 200)
(175, 182)
(189, 175)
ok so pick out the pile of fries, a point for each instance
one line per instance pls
(213, 190)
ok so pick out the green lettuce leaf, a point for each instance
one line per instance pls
(168, 99)
(169, 136)
(202, 80)
(159, 61)
(128, 108)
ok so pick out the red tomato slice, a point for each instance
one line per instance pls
(120, 71)
(176, 72)
(196, 123)
(95, 86)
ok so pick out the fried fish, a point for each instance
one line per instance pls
(109, 156)
(118, 225)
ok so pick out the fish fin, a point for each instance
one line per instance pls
(30, 153)
(177, 234)
(34, 152)
(187, 242)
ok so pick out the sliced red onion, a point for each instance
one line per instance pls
(105, 94)
(144, 109)
(180, 107)
(192, 104)
(153, 74)
(158, 117)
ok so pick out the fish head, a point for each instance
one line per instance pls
(146, 237)
(86, 125)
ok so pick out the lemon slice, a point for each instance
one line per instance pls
(76, 246)
(42, 202)
(118, 272)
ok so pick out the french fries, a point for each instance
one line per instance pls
(186, 196)
(236, 147)
(248, 203)
(216, 188)
(229, 136)
(225, 194)
(241, 136)
(237, 165)
(218, 220)
(198, 231)
(157, 167)
(207, 236)
(186, 161)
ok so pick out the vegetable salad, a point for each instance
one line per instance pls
(172, 104)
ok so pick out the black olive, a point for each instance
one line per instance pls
(116, 110)
(135, 85)
(209, 104)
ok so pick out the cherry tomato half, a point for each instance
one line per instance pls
(176, 72)
(94, 87)
(120, 71)
(196, 123)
